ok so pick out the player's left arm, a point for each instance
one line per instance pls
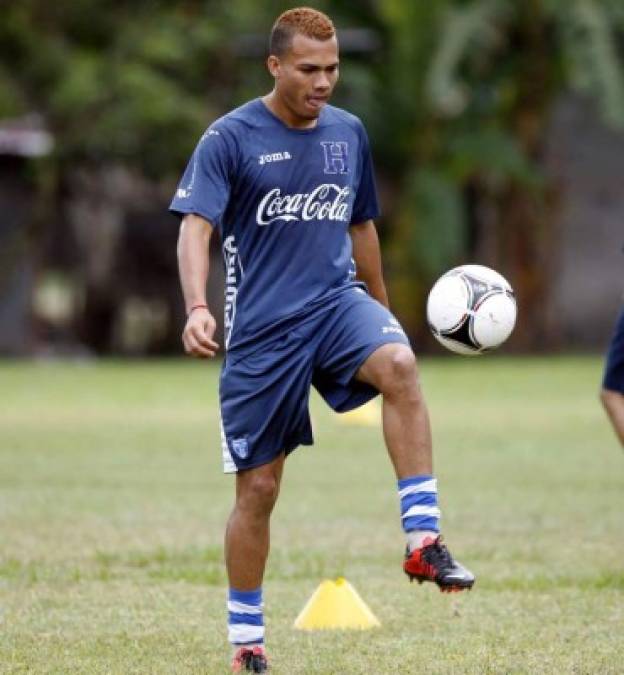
(367, 256)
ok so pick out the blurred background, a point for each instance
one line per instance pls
(497, 128)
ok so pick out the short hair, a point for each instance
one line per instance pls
(304, 20)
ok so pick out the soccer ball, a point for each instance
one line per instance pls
(471, 309)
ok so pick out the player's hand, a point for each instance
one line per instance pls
(198, 333)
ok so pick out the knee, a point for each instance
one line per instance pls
(260, 493)
(402, 373)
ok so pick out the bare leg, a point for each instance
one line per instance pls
(392, 370)
(613, 403)
(247, 533)
(407, 432)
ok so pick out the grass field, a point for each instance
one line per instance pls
(112, 506)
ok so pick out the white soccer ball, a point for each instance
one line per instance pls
(471, 309)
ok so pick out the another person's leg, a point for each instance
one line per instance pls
(612, 394)
(613, 402)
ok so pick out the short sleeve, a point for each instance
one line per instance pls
(365, 205)
(206, 184)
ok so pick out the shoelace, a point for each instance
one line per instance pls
(257, 662)
(438, 556)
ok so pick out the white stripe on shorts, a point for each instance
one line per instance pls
(228, 462)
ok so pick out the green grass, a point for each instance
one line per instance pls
(112, 507)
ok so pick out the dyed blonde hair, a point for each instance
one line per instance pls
(304, 20)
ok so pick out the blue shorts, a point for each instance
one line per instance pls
(265, 389)
(614, 368)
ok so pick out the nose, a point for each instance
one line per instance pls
(322, 82)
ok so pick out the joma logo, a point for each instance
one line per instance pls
(273, 157)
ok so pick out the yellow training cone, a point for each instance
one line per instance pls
(367, 415)
(335, 604)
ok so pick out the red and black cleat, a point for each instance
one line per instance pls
(433, 562)
(251, 660)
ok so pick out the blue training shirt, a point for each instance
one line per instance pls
(283, 200)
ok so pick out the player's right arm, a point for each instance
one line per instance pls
(193, 261)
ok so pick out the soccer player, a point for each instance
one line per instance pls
(287, 180)
(612, 394)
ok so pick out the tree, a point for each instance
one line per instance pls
(456, 100)
(467, 97)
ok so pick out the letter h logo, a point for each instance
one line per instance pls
(335, 156)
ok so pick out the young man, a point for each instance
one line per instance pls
(612, 394)
(288, 182)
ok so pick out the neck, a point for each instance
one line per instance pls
(281, 110)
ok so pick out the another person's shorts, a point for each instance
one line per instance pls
(614, 368)
(265, 389)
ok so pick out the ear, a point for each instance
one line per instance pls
(273, 64)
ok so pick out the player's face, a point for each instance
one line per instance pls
(306, 75)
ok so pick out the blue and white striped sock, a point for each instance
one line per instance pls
(245, 618)
(420, 514)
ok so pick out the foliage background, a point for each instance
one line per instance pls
(457, 96)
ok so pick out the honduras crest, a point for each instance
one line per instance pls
(240, 447)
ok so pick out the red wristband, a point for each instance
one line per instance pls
(194, 307)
